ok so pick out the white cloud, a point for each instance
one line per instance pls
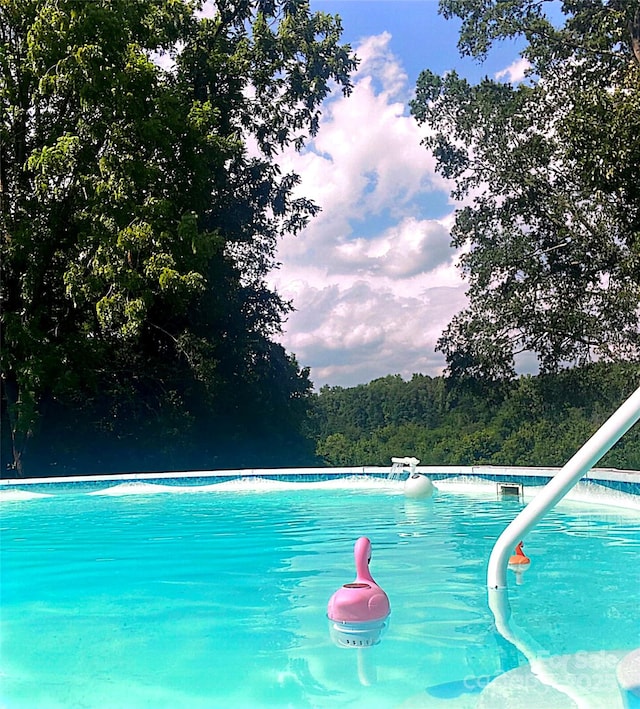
(407, 249)
(378, 61)
(373, 277)
(354, 334)
(514, 72)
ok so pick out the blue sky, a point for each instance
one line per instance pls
(420, 36)
(373, 278)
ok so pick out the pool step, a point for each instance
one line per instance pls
(585, 680)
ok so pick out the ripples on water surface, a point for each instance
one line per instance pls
(218, 598)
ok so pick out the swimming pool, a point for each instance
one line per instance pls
(137, 594)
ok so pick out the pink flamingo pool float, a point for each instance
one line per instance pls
(358, 610)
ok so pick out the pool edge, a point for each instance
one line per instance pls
(603, 479)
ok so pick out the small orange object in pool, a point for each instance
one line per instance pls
(519, 558)
(519, 563)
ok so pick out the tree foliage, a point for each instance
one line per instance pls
(531, 421)
(140, 207)
(547, 173)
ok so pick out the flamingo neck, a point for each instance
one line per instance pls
(362, 553)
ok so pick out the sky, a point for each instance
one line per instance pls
(373, 278)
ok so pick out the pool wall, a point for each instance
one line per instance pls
(598, 480)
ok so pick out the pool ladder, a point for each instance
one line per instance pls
(603, 440)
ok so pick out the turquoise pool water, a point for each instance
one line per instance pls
(147, 597)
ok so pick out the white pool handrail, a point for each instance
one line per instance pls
(605, 437)
(602, 440)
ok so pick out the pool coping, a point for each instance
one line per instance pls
(625, 481)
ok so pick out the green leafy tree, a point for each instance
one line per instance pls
(336, 450)
(547, 173)
(541, 420)
(140, 206)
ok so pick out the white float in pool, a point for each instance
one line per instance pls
(417, 485)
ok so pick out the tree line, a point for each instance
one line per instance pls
(537, 420)
(532, 421)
